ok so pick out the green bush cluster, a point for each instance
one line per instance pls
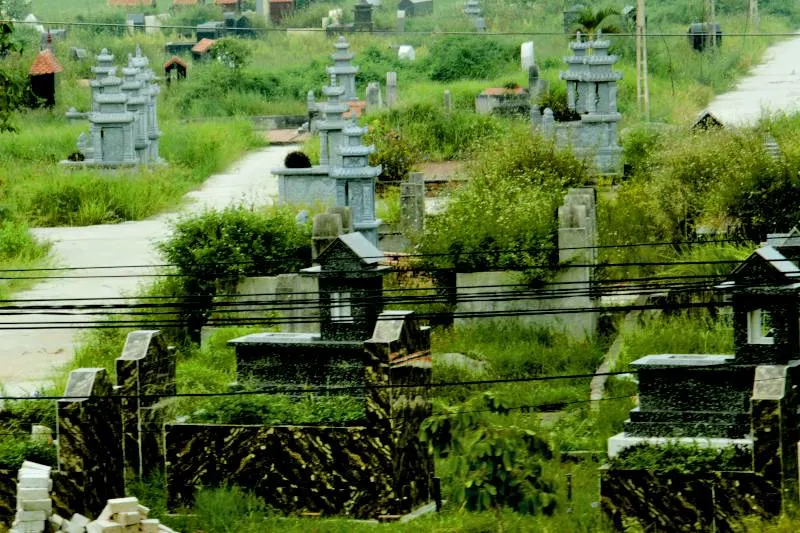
(460, 57)
(281, 409)
(13, 451)
(681, 458)
(215, 250)
(504, 217)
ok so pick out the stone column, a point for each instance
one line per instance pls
(325, 229)
(90, 457)
(391, 89)
(145, 374)
(373, 97)
(448, 101)
(401, 21)
(412, 203)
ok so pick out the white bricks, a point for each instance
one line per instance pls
(125, 515)
(34, 505)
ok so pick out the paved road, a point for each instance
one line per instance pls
(28, 357)
(773, 86)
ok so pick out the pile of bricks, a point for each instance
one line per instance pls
(121, 515)
(125, 515)
(33, 498)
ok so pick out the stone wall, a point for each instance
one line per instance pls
(713, 501)
(504, 292)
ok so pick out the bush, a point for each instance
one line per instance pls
(14, 451)
(212, 252)
(425, 131)
(504, 218)
(457, 58)
(394, 153)
(681, 458)
(274, 409)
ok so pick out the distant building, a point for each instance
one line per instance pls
(131, 3)
(136, 22)
(230, 5)
(416, 8)
(210, 30)
(184, 3)
(279, 9)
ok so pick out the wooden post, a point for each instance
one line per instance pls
(755, 23)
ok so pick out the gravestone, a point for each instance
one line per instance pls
(406, 52)
(123, 118)
(391, 89)
(592, 94)
(412, 203)
(90, 457)
(374, 100)
(326, 228)
(448, 101)
(363, 16)
(145, 376)
(355, 181)
(400, 23)
(527, 55)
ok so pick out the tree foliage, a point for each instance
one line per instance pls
(212, 252)
(501, 466)
(231, 52)
(13, 85)
(591, 21)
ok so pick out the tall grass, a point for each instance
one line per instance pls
(47, 194)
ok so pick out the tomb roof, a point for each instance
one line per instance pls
(45, 63)
(203, 45)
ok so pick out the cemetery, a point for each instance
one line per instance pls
(408, 330)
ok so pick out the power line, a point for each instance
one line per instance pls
(125, 26)
(394, 256)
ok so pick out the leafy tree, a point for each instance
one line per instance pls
(500, 466)
(215, 250)
(590, 22)
(231, 52)
(13, 86)
(14, 9)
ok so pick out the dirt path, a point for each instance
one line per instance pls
(28, 357)
(772, 86)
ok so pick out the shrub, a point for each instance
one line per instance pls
(274, 409)
(297, 160)
(14, 451)
(555, 98)
(501, 465)
(681, 458)
(457, 58)
(394, 153)
(215, 250)
(504, 218)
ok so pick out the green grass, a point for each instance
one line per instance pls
(45, 193)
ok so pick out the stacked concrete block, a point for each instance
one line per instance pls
(120, 515)
(33, 498)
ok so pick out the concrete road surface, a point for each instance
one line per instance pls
(29, 357)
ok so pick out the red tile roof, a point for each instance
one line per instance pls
(357, 108)
(129, 3)
(226, 2)
(203, 45)
(502, 91)
(184, 2)
(175, 60)
(45, 63)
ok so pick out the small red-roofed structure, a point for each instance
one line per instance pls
(279, 9)
(175, 67)
(201, 49)
(131, 3)
(229, 5)
(43, 77)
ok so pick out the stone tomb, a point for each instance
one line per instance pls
(124, 122)
(747, 400)
(371, 468)
(592, 94)
(344, 177)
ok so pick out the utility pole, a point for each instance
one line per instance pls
(712, 26)
(753, 16)
(642, 90)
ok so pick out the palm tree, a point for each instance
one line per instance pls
(590, 21)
